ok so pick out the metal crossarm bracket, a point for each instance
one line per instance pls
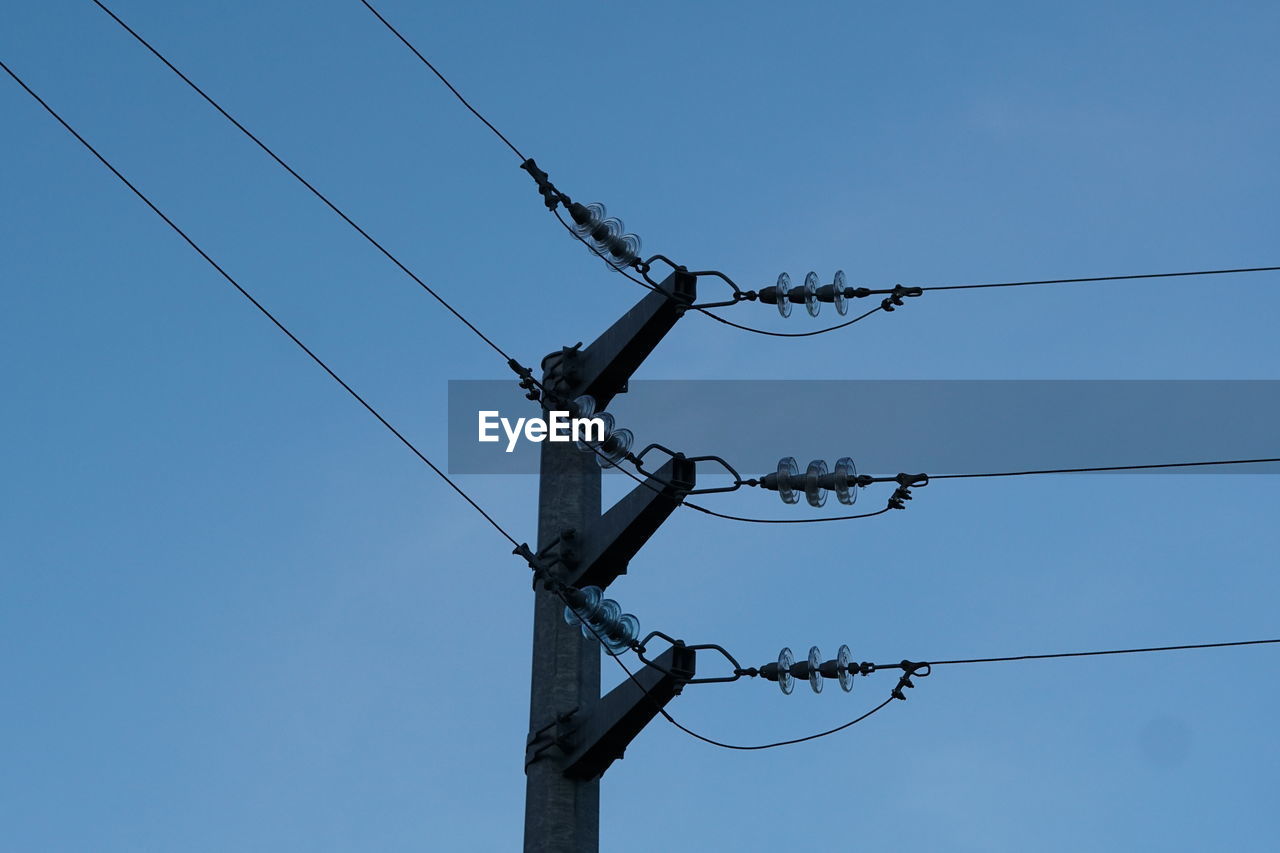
(603, 736)
(603, 368)
(557, 733)
(598, 555)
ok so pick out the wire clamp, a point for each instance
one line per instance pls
(527, 382)
(551, 196)
(906, 482)
(896, 295)
(909, 668)
(557, 733)
(561, 373)
(541, 568)
(553, 560)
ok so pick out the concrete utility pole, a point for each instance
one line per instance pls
(574, 733)
(561, 813)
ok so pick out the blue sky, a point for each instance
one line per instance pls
(238, 615)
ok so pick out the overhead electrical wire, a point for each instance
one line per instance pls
(506, 356)
(944, 287)
(931, 477)
(355, 395)
(443, 79)
(771, 334)
(1095, 469)
(748, 519)
(778, 743)
(256, 304)
(623, 272)
(1097, 278)
(912, 668)
(922, 664)
(272, 154)
(1101, 469)
(615, 268)
(666, 715)
(1106, 652)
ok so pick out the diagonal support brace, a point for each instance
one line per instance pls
(603, 368)
(597, 555)
(603, 736)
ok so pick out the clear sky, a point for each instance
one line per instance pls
(238, 615)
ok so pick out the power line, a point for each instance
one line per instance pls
(1105, 652)
(753, 329)
(647, 286)
(996, 284)
(666, 715)
(499, 528)
(256, 304)
(703, 509)
(924, 668)
(922, 480)
(627, 670)
(272, 154)
(750, 295)
(917, 668)
(1098, 278)
(863, 316)
(1002, 284)
(1102, 468)
(778, 743)
(443, 79)
(405, 41)
(925, 479)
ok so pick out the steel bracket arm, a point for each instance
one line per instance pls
(603, 368)
(603, 736)
(601, 552)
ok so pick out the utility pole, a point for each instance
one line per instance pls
(561, 814)
(574, 733)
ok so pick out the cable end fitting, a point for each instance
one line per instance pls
(896, 295)
(527, 382)
(551, 196)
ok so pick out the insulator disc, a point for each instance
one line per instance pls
(589, 446)
(603, 233)
(606, 612)
(784, 304)
(596, 212)
(846, 480)
(587, 609)
(815, 677)
(811, 303)
(813, 491)
(844, 659)
(621, 633)
(615, 448)
(786, 681)
(585, 405)
(788, 472)
(623, 250)
(841, 301)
